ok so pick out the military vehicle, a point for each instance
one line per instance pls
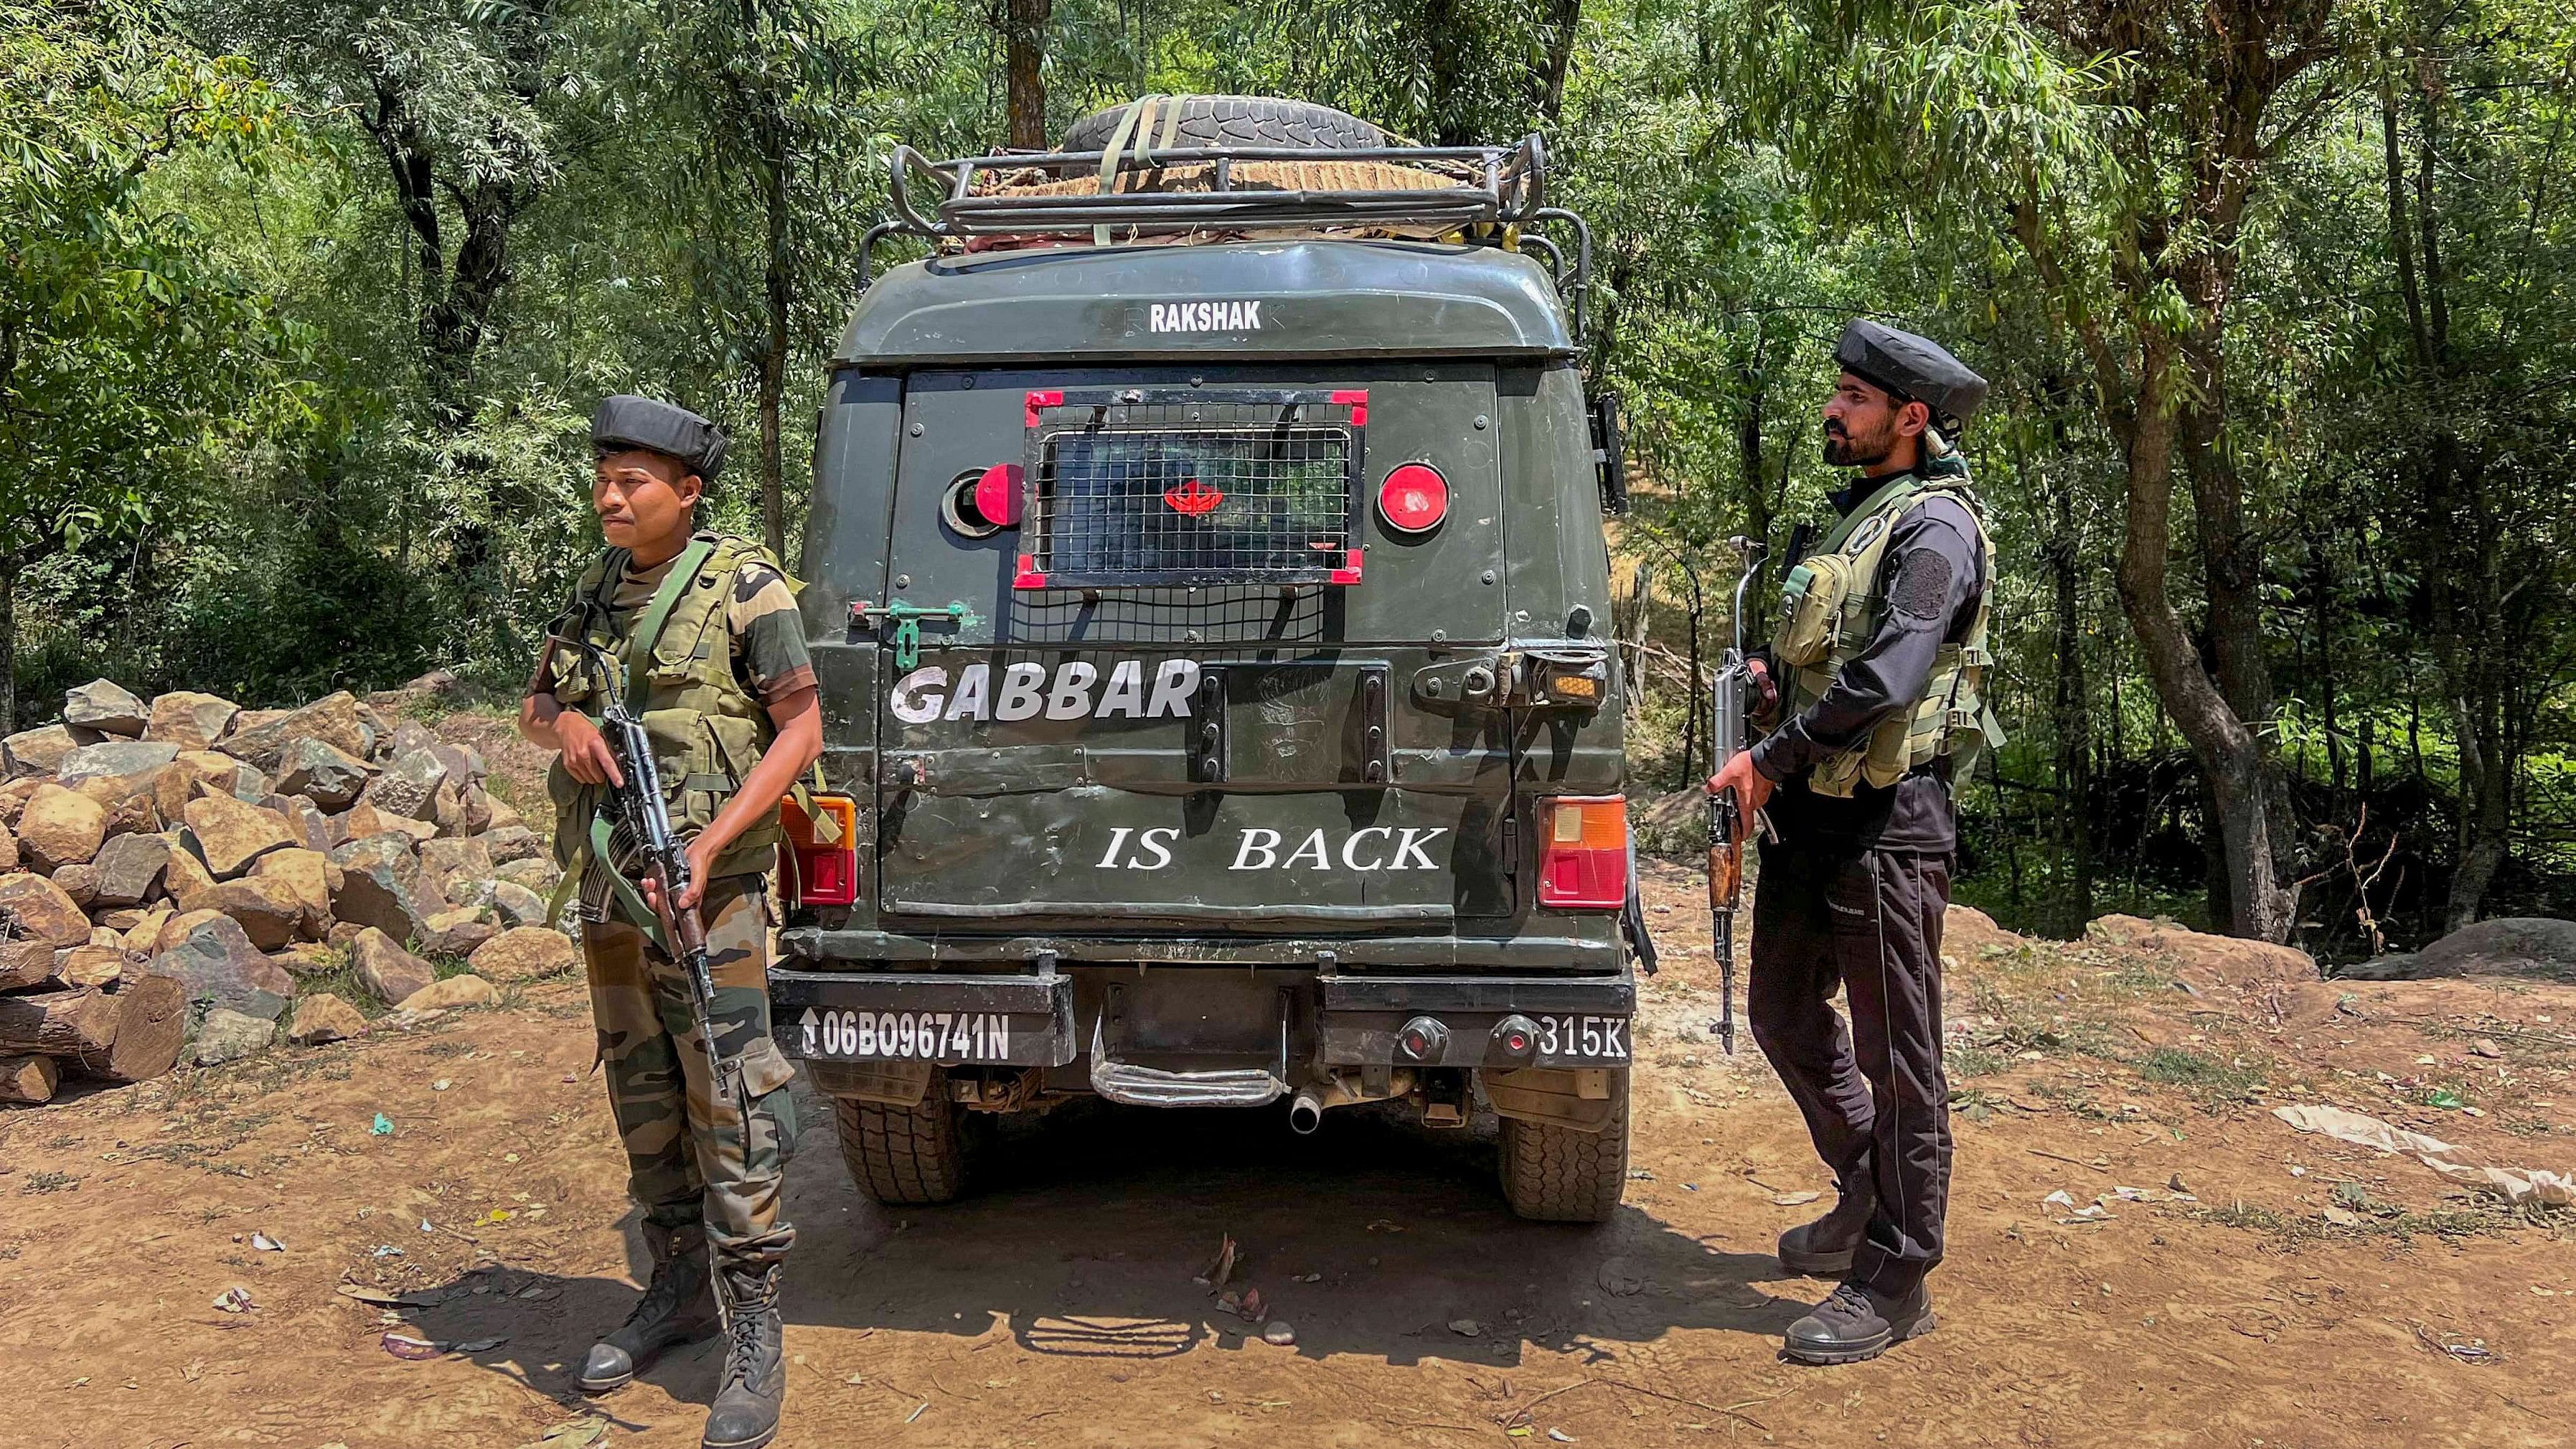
(1208, 590)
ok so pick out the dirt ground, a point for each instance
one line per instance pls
(2214, 1305)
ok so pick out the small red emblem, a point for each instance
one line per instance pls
(1193, 499)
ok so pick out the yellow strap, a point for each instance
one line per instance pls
(1111, 153)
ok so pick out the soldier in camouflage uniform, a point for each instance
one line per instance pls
(728, 699)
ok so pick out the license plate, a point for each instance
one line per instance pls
(1599, 1038)
(934, 1036)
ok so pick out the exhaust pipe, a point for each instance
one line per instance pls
(1305, 1114)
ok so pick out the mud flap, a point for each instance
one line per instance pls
(1580, 1100)
(896, 1084)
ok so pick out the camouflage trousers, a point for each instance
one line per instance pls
(691, 1158)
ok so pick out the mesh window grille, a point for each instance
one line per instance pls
(1137, 490)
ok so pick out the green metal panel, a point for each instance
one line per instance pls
(1316, 299)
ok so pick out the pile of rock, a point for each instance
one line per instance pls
(169, 870)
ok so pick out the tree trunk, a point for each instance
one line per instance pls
(58, 1023)
(151, 1020)
(9, 643)
(1564, 22)
(773, 357)
(2074, 716)
(1024, 50)
(2229, 754)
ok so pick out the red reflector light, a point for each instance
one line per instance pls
(1414, 498)
(997, 495)
(1583, 852)
(824, 872)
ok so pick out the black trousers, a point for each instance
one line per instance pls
(1874, 1096)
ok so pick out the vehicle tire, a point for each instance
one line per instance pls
(906, 1155)
(1239, 121)
(1558, 1175)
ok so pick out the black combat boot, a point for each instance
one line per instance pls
(678, 1305)
(1824, 1248)
(745, 1412)
(1854, 1323)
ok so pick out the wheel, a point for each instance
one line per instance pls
(1558, 1175)
(1237, 121)
(907, 1155)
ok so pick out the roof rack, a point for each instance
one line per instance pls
(1508, 183)
(1495, 185)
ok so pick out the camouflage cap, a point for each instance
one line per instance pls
(628, 421)
(1913, 369)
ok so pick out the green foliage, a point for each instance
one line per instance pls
(303, 308)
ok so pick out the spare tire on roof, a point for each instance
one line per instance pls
(1235, 121)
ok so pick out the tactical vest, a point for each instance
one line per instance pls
(1831, 606)
(708, 732)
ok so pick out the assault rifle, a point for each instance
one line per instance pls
(1725, 811)
(639, 806)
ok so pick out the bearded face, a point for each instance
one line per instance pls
(1860, 424)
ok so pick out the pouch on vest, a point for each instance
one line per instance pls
(1811, 610)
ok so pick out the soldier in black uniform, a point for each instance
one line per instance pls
(1852, 890)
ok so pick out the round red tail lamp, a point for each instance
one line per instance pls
(1414, 498)
(997, 495)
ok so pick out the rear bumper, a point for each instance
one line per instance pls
(1589, 954)
(1295, 1024)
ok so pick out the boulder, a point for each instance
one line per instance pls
(129, 869)
(80, 882)
(175, 927)
(123, 767)
(144, 936)
(15, 795)
(382, 885)
(232, 834)
(312, 828)
(363, 820)
(311, 877)
(266, 906)
(8, 850)
(41, 751)
(330, 777)
(58, 828)
(307, 958)
(35, 909)
(2539, 946)
(454, 862)
(228, 1036)
(138, 814)
(189, 720)
(119, 919)
(537, 873)
(107, 707)
(409, 785)
(323, 1017)
(457, 932)
(517, 905)
(217, 963)
(332, 720)
(465, 812)
(455, 991)
(524, 953)
(92, 965)
(186, 871)
(410, 735)
(505, 816)
(388, 970)
(344, 934)
(511, 843)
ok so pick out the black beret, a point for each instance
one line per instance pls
(1914, 369)
(628, 421)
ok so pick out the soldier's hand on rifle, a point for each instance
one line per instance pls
(1765, 705)
(586, 754)
(701, 859)
(1752, 790)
